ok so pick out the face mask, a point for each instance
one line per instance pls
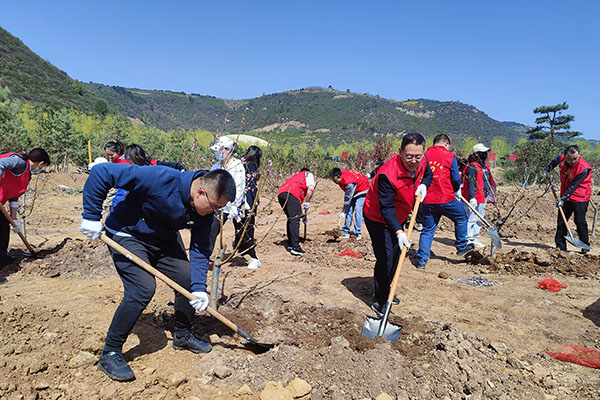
(219, 155)
(483, 155)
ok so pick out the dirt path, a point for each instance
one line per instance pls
(458, 341)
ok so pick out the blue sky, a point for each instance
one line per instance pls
(505, 58)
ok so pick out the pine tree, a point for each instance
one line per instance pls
(552, 123)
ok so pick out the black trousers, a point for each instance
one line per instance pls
(293, 210)
(4, 235)
(139, 285)
(579, 208)
(387, 253)
(247, 245)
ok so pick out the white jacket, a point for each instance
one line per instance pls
(237, 170)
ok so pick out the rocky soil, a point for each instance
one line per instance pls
(457, 341)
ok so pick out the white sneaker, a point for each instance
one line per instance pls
(477, 244)
(345, 236)
(254, 263)
(358, 237)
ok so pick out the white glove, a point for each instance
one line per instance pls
(234, 214)
(403, 240)
(457, 194)
(201, 301)
(473, 203)
(91, 229)
(306, 206)
(341, 215)
(17, 228)
(422, 190)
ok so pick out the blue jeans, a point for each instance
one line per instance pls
(474, 223)
(356, 207)
(431, 214)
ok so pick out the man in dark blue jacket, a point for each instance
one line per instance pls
(161, 201)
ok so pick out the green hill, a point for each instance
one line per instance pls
(327, 115)
(32, 79)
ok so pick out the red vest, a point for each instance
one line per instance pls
(441, 190)
(479, 193)
(349, 176)
(12, 185)
(296, 185)
(121, 160)
(583, 192)
(405, 186)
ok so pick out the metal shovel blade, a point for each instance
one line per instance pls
(495, 237)
(382, 327)
(576, 241)
(372, 327)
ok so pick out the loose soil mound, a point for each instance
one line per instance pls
(520, 262)
(70, 259)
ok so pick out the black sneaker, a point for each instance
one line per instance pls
(297, 251)
(395, 301)
(469, 248)
(114, 365)
(378, 309)
(191, 343)
(421, 266)
(585, 251)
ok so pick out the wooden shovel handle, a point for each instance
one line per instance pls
(475, 211)
(12, 222)
(172, 284)
(411, 225)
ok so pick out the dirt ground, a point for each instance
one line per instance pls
(457, 341)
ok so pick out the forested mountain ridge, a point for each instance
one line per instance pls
(30, 78)
(326, 114)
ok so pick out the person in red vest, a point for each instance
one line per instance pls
(15, 174)
(115, 152)
(478, 189)
(389, 200)
(294, 195)
(135, 154)
(575, 193)
(441, 200)
(355, 186)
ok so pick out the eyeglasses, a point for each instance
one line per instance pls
(209, 202)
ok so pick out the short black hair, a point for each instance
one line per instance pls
(335, 172)
(572, 149)
(305, 169)
(116, 146)
(412, 138)
(39, 154)
(442, 138)
(220, 183)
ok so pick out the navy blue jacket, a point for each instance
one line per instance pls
(156, 208)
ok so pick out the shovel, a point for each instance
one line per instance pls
(570, 238)
(305, 221)
(381, 327)
(492, 230)
(258, 348)
(10, 220)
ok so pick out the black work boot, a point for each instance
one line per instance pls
(114, 365)
(187, 341)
